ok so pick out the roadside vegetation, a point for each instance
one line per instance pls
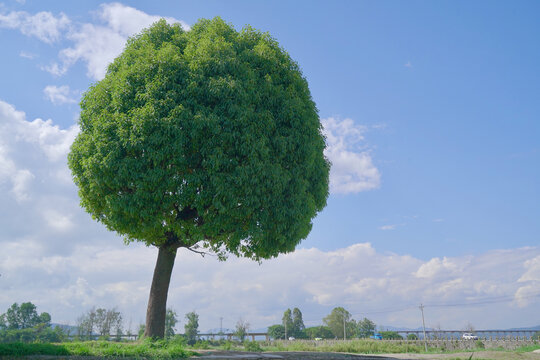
(100, 332)
(163, 349)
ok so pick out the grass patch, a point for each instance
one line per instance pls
(145, 349)
(527, 348)
(21, 349)
(352, 346)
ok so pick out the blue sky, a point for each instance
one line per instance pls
(432, 114)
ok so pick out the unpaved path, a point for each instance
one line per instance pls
(297, 355)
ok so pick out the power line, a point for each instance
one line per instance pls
(493, 300)
(483, 301)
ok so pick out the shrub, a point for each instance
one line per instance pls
(252, 346)
(412, 337)
(391, 335)
(203, 345)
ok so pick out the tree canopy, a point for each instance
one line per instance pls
(23, 316)
(208, 137)
(341, 323)
(365, 328)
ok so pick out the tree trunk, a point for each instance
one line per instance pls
(157, 302)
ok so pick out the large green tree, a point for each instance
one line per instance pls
(365, 328)
(298, 326)
(276, 332)
(23, 316)
(201, 139)
(341, 323)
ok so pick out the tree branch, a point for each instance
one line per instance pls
(202, 253)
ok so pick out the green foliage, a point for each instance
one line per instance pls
(146, 349)
(201, 344)
(191, 328)
(20, 349)
(140, 333)
(338, 321)
(252, 346)
(365, 328)
(322, 332)
(227, 345)
(391, 335)
(480, 344)
(527, 348)
(23, 317)
(352, 346)
(287, 322)
(412, 337)
(170, 322)
(298, 326)
(276, 332)
(208, 136)
(536, 336)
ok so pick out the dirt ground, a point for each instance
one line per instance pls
(484, 355)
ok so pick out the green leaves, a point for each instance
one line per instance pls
(213, 120)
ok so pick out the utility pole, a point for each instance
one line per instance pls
(344, 330)
(286, 329)
(423, 326)
(221, 325)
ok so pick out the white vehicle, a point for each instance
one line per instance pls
(469, 336)
(291, 338)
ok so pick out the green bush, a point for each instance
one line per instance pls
(480, 344)
(412, 337)
(204, 344)
(391, 335)
(252, 346)
(39, 333)
(227, 345)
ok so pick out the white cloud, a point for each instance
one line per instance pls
(42, 25)
(29, 149)
(408, 65)
(388, 227)
(128, 21)
(357, 277)
(352, 169)
(437, 267)
(57, 220)
(59, 95)
(98, 45)
(530, 291)
(27, 55)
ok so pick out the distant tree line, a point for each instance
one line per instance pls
(102, 322)
(22, 323)
(338, 324)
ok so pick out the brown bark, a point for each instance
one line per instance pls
(157, 301)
